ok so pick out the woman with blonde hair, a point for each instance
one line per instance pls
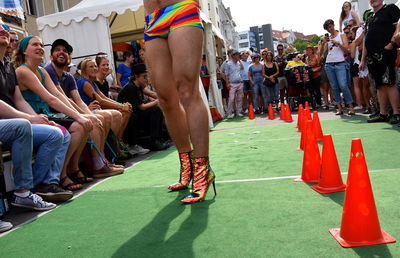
(89, 92)
(40, 92)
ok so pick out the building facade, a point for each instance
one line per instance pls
(247, 40)
(227, 26)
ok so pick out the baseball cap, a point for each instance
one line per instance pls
(61, 42)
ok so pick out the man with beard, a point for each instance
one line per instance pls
(380, 53)
(60, 55)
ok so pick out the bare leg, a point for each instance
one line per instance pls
(159, 61)
(357, 91)
(393, 95)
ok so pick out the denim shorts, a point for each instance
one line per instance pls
(246, 86)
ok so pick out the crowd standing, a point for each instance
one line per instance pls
(59, 115)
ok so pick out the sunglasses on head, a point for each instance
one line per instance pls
(5, 27)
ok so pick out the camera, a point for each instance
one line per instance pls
(327, 36)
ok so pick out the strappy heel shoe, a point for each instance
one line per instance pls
(185, 173)
(203, 177)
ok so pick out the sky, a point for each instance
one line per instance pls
(306, 16)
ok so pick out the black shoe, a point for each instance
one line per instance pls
(395, 119)
(326, 107)
(157, 145)
(378, 118)
(374, 114)
(367, 111)
(53, 193)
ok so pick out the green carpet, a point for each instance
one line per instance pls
(126, 217)
(233, 123)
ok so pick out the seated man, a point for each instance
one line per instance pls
(52, 143)
(147, 117)
(17, 134)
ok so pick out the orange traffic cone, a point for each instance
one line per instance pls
(330, 180)
(306, 106)
(299, 118)
(303, 134)
(288, 117)
(271, 114)
(307, 113)
(317, 127)
(360, 222)
(251, 112)
(311, 158)
(282, 113)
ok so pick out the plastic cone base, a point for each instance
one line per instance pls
(386, 238)
(305, 181)
(327, 190)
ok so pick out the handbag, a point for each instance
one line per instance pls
(268, 83)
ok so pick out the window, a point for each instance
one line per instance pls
(244, 45)
(209, 7)
(59, 6)
(35, 7)
(243, 36)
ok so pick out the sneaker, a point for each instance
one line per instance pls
(367, 111)
(123, 146)
(32, 201)
(240, 115)
(378, 118)
(230, 116)
(53, 193)
(358, 108)
(395, 119)
(374, 114)
(5, 226)
(137, 149)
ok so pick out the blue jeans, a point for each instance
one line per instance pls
(52, 148)
(17, 134)
(337, 76)
(260, 88)
(272, 93)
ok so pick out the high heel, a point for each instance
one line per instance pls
(203, 177)
(185, 173)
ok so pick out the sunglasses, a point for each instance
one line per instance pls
(14, 40)
(5, 27)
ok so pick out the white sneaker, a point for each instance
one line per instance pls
(32, 201)
(239, 115)
(5, 226)
(137, 149)
(230, 116)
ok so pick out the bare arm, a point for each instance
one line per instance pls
(356, 18)
(148, 105)
(28, 80)
(119, 79)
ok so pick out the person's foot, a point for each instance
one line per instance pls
(339, 112)
(230, 116)
(5, 226)
(395, 119)
(67, 184)
(374, 114)
(137, 149)
(367, 111)
(32, 201)
(107, 171)
(358, 108)
(378, 118)
(326, 107)
(239, 115)
(53, 193)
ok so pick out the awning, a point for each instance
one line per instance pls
(12, 8)
(88, 9)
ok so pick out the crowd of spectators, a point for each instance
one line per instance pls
(353, 68)
(64, 130)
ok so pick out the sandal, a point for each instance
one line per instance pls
(80, 179)
(338, 113)
(71, 186)
(351, 113)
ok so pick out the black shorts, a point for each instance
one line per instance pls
(354, 70)
(246, 86)
(381, 66)
(65, 121)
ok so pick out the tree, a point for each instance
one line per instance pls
(301, 44)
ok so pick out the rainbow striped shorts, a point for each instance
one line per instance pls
(161, 22)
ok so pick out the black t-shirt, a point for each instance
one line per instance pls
(103, 87)
(381, 27)
(281, 60)
(133, 95)
(8, 82)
